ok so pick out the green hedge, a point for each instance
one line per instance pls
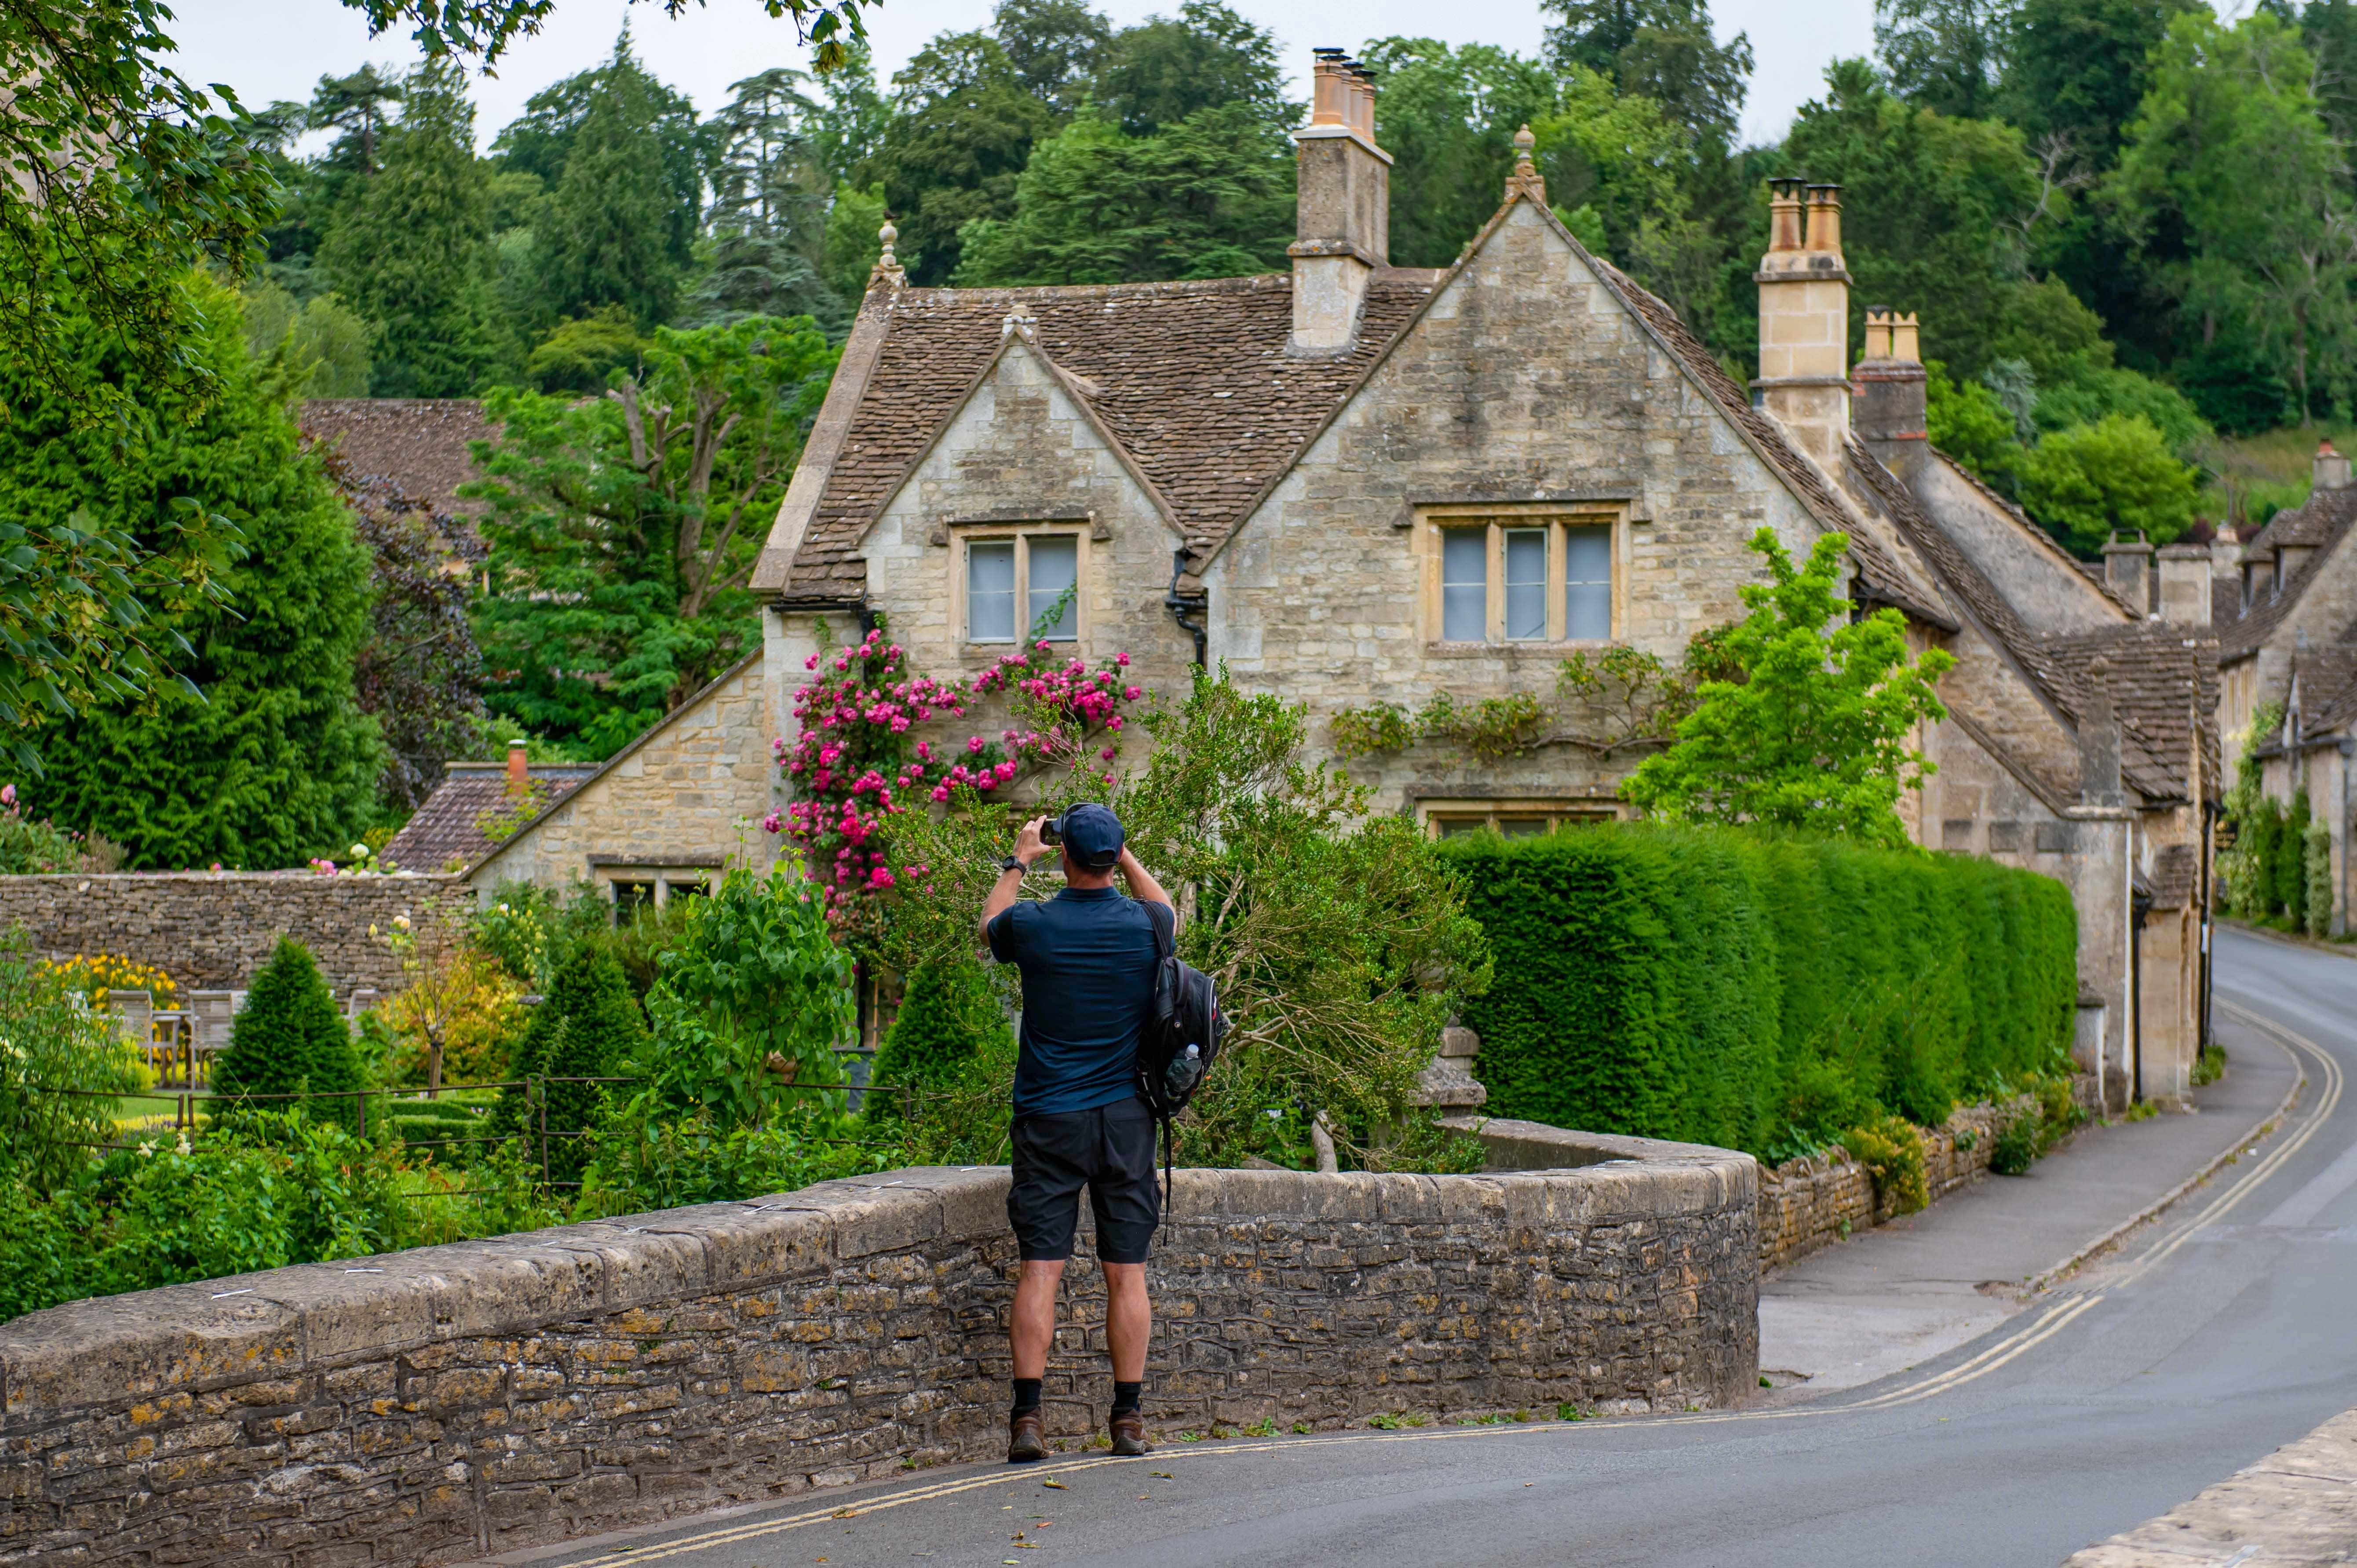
(1759, 993)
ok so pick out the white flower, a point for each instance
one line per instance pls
(402, 921)
(184, 1143)
(147, 1148)
(1275, 1115)
(360, 852)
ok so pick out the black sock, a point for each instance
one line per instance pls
(1027, 1395)
(1125, 1397)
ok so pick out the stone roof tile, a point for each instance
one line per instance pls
(446, 831)
(417, 443)
(2319, 523)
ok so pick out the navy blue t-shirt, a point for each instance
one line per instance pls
(1088, 959)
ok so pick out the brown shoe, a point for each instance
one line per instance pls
(1027, 1438)
(1129, 1434)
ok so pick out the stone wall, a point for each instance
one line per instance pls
(212, 931)
(481, 1397)
(1819, 1199)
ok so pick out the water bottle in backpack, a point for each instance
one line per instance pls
(1183, 1071)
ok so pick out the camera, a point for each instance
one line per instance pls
(1051, 831)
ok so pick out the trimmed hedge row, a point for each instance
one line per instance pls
(1757, 992)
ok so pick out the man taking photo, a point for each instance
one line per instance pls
(1088, 958)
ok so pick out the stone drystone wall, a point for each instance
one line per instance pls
(210, 931)
(457, 1401)
(1819, 1199)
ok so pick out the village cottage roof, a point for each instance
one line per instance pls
(1195, 383)
(447, 831)
(418, 444)
(2318, 525)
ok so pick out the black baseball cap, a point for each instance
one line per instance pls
(1093, 835)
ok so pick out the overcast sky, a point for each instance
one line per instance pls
(268, 49)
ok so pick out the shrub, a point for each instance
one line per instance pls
(948, 1018)
(2316, 848)
(2015, 1145)
(289, 1039)
(1758, 992)
(31, 848)
(49, 1044)
(2291, 861)
(1892, 1150)
(586, 1027)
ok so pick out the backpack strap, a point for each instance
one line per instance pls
(1165, 921)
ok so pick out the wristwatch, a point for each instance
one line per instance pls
(1013, 862)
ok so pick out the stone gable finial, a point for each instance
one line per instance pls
(1017, 322)
(1526, 179)
(888, 269)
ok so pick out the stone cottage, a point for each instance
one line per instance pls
(1360, 484)
(2287, 620)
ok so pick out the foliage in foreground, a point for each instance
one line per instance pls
(1764, 994)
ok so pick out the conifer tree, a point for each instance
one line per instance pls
(289, 1039)
(947, 1017)
(588, 1027)
(616, 232)
(264, 757)
(413, 251)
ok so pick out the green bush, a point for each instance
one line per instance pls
(289, 1039)
(588, 1027)
(948, 1018)
(2015, 1147)
(2291, 862)
(50, 1042)
(1761, 993)
(2316, 879)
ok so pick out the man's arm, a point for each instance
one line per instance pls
(1027, 848)
(1142, 886)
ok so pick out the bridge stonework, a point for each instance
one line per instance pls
(443, 1403)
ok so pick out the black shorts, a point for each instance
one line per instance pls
(1110, 1151)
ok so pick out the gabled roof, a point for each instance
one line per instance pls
(1191, 379)
(447, 831)
(2153, 671)
(2319, 523)
(418, 444)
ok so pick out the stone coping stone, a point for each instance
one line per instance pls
(192, 1337)
(2295, 1506)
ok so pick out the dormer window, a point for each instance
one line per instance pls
(1022, 582)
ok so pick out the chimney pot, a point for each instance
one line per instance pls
(519, 770)
(1824, 220)
(1905, 344)
(1784, 214)
(1804, 367)
(1877, 332)
(2330, 469)
(2185, 584)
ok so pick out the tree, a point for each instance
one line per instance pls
(1210, 197)
(1946, 55)
(769, 215)
(413, 251)
(962, 130)
(1661, 50)
(2116, 474)
(2229, 151)
(326, 344)
(1166, 69)
(1936, 211)
(624, 163)
(1819, 733)
(1622, 164)
(1056, 46)
(289, 1039)
(265, 757)
(622, 530)
(1448, 116)
(1966, 422)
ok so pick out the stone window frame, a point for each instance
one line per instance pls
(1443, 818)
(663, 878)
(965, 535)
(1434, 522)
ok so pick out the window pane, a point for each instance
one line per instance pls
(1055, 567)
(1465, 584)
(1587, 582)
(1525, 582)
(990, 590)
(1522, 827)
(1456, 827)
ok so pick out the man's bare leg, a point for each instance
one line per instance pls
(1035, 1316)
(1129, 1320)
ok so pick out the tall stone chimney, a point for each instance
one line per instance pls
(2127, 567)
(2185, 584)
(1803, 379)
(1342, 211)
(1887, 396)
(2099, 741)
(2330, 470)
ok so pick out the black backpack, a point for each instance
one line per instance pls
(1185, 1012)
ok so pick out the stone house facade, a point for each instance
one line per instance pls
(1360, 484)
(2286, 609)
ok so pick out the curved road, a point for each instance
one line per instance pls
(2225, 1328)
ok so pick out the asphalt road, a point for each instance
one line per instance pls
(2223, 1329)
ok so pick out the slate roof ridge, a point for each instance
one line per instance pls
(2164, 689)
(2037, 531)
(616, 760)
